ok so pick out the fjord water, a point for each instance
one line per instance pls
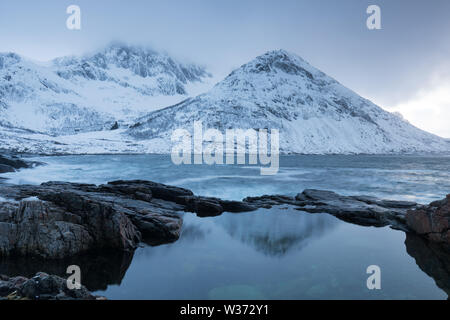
(269, 254)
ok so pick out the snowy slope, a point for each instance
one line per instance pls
(82, 94)
(314, 113)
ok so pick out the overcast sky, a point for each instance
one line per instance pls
(403, 67)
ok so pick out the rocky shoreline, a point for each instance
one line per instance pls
(12, 163)
(58, 219)
(61, 220)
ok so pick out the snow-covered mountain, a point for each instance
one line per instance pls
(90, 93)
(70, 105)
(314, 113)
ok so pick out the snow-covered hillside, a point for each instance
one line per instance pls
(70, 105)
(90, 93)
(314, 113)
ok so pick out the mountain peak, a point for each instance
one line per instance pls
(312, 111)
(118, 48)
(141, 61)
(281, 55)
(90, 92)
(280, 61)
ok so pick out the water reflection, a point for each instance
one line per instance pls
(433, 259)
(277, 231)
(98, 270)
(192, 232)
(279, 253)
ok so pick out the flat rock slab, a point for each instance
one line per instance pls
(61, 219)
(99, 269)
(362, 210)
(41, 287)
(428, 221)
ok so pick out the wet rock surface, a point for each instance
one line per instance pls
(11, 163)
(59, 219)
(432, 221)
(361, 210)
(45, 229)
(41, 287)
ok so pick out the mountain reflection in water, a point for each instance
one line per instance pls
(277, 231)
(277, 253)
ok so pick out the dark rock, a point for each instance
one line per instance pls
(45, 229)
(158, 190)
(206, 208)
(66, 219)
(212, 207)
(202, 206)
(107, 224)
(99, 269)
(236, 206)
(432, 258)
(5, 168)
(268, 202)
(50, 287)
(41, 287)
(9, 285)
(115, 126)
(12, 163)
(70, 218)
(432, 221)
(361, 210)
(159, 228)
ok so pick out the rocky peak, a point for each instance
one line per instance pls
(142, 61)
(279, 61)
(9, 58)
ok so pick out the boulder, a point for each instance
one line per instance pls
(64, 219)
(41, 287)
(42, 228)
(159, 228)
(99, 269)
(12, 163)
(213, 207)
(432, 221)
